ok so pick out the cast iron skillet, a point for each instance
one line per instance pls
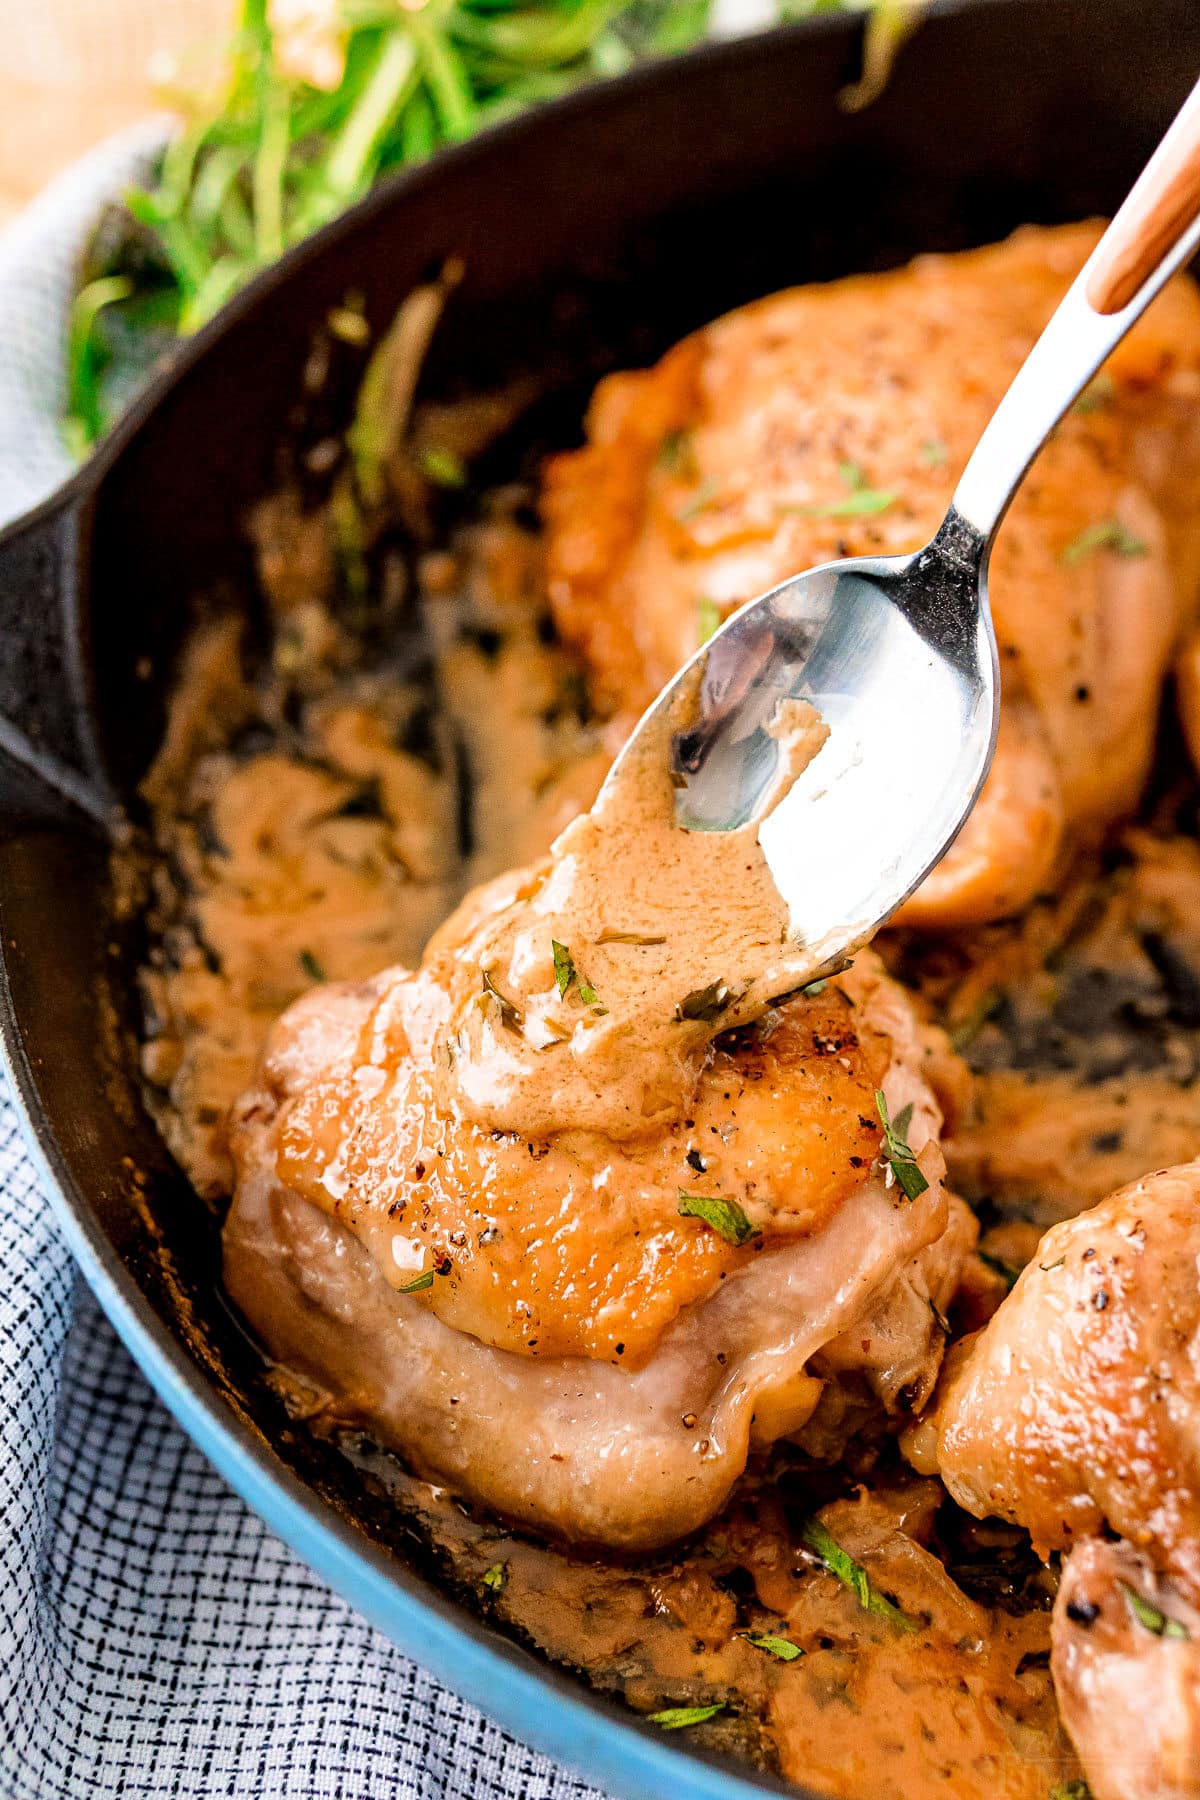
(594, 233)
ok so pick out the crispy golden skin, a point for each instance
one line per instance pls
(571, 1245)
(1078, 1406)
(732, 464)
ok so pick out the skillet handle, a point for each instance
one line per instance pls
(50, 763)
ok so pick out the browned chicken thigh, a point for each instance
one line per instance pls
(833, 420)
(1075, 1412)
(1126, 1662)
(1078, 1406)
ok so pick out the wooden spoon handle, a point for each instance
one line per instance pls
(1160, 207)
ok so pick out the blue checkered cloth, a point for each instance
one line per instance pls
(155, 1638)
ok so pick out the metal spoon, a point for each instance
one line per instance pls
(897, 653)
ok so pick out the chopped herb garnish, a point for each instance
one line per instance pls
(566, 972)
(707, 1002)
(816, 988)
(1048, 1268)
(495, 1577)
(564, 967)
(896, 1151)
(1096, 394)
(1108, 534)
(780, 1647)
(968, 1028)
(311, 966)
(861, 498)
(418, 1284)
(708, 619)
(1005, 1270)
(1152, 1617)
(511, 1016)
(445, 468)
(851, 1574)
(674, 1718)
(939, 1317)
(725, 1217)
(934, 453)
(701, 499)
(677, 453)
(1070, 1790)
(628, 937)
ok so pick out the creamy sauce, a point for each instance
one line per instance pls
(664, 938)
(960, 1708)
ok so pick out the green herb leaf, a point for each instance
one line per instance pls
(1096, 394)
(566, 972)
(564, 967)
(311, 966)
(1070, 1790)
(445, 468)
(851, 1574)
(1152, 1617)
(934, 454)
(675, 1718)
(851, 473)
(1048, 1268)
(896, 1150)
(418, 1284)
(84, 357)
(862, 501)
(700, 500)
(677, 453)
(511, 1016)
(725, 1217)
(1007, 1273)
(968, 1028)
(1108, 534)
(495, 1577)
(780, 1647)
(708, 619)
(707, 1002)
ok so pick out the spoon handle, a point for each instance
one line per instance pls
(1155, 232)
(1161, 205)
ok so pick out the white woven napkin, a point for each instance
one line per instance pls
(155, 1638)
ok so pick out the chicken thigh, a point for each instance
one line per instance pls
(575, 1235)
(1078, 1406)
(832, 421)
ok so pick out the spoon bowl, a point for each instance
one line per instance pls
(899, 659)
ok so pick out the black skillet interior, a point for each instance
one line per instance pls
(594, 234)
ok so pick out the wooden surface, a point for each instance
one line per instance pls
(74, 71)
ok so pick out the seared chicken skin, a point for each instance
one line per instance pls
(1126, 1664)
(834, 420)
(1078, 1406)
(1077, 1410)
